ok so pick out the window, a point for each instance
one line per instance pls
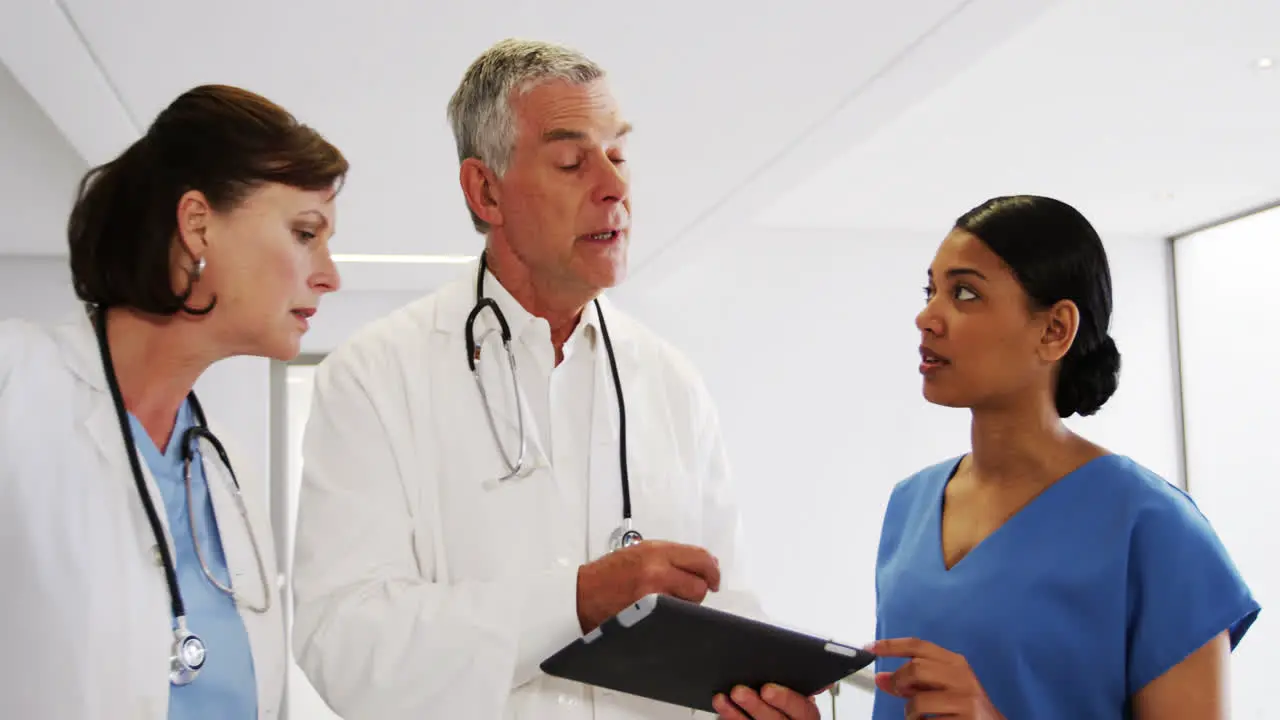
(1228, 307)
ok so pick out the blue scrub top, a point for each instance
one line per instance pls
(226, 688)
(1107, 579)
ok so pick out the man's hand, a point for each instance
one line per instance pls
(772, 703)
(618, 579)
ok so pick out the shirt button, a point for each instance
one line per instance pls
(155, 554)
(562, 562)
(568, 700)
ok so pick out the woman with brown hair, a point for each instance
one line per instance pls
(139, 563)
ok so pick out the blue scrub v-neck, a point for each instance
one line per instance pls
(226, 687)
(1101, 583)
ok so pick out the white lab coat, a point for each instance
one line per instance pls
(85, 618)
(423, 588)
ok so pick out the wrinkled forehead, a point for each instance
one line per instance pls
(556, 110)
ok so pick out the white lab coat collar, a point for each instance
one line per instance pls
(79, 342)
(456, 301)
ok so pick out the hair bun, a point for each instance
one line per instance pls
(1088, 379)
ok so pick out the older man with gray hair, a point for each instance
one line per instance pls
(479, 465)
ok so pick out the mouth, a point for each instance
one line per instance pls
(602, 236)
(303, 315)
(931, 361)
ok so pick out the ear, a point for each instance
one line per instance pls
(1060, 325)
(481, 189)
(194, 214)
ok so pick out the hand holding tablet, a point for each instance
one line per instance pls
(773, 702)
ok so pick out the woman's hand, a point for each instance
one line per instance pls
(771, 703)
(935, 682)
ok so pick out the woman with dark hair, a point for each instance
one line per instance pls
(1040, 575)
(140, 565)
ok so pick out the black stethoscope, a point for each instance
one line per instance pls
(189, 651)
(624, 535)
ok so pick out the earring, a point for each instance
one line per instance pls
(199, 269)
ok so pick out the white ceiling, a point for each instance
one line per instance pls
(819, 114)
(716, 93)
(1151, 116)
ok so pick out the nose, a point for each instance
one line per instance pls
(326, 278)
(615, 182)
(929, 320)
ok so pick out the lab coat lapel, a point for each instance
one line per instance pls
(603, 465)
(103, 425)
(494, 367)
(456, 302)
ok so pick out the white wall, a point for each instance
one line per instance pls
(38, 175)
(1231, 393)
(807, 340)
(35, 288)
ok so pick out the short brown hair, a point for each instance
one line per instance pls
(220, 140)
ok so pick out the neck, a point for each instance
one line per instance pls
(560, 305)
(1013, 445)
(157, 361)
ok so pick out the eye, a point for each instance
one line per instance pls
(618, 160)
(928, 292)
(304, 236)
(960, 293)
(570, 167)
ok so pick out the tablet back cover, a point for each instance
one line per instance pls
(681, 653)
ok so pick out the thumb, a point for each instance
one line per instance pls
(884, 681)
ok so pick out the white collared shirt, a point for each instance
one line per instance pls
(558, 397)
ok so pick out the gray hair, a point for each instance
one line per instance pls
(480, 109)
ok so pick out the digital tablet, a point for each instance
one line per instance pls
(667, 649)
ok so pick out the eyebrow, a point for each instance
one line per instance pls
(319, 217)
(558, 134)
(960, 272)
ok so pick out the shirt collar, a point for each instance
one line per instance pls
(521, 321)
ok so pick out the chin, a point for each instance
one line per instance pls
(280, 345)
(606, 267)
(287, 350)
(607, 275)
(946, 397)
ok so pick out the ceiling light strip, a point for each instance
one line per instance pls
(405, 259)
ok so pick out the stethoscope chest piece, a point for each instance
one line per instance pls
(188, 656)
(624, 537)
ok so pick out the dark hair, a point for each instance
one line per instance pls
(1057, 255)
(220, 140)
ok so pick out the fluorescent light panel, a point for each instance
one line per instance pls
(405, 259)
